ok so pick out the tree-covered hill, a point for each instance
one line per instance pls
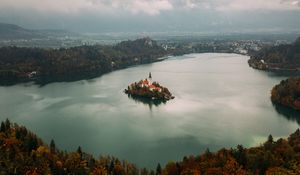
(287, 93)
(47, 65)
(11, 31)
(15, 32)
(281, 57)
(22, 152)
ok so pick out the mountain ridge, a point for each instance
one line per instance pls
(15, 32)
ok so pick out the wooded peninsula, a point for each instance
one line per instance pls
(284, 57)
(20, 64)
(287, 93)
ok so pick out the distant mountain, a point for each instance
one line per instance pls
(57, 33)
(13, 32)
(282, 57)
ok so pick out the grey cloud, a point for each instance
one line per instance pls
(291, 2)
(152, 15)
(150, 7)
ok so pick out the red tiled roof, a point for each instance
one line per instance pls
(146, 82)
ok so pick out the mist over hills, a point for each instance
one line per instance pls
(12, 32)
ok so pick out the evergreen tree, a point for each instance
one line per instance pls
(52, 146)
(111, 166)
(32, 143)
(79, 151)
(207, 153)
(2, 128)
(144, 171)
(7, 124)
(270, 139)
(158, 169)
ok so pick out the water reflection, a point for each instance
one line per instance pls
(146, 101)
(288, 113)
(220, 102)
(283, 73)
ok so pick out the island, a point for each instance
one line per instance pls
(284, 57)
(287, 93)
(148, 89)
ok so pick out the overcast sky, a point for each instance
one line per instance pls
(154, 15)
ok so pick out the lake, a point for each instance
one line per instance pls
(219, 102)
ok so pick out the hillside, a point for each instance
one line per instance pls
(287, 93)
(282, 57)
(11, 31)
(23, 152)
(83, 62)
(15, 32)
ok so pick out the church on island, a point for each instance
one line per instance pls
(148, 84)
(148, 88)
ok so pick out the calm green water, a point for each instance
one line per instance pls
(219, 102)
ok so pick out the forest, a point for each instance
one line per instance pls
(23, 152)
(287, 93)
(18, 64)
(281, 57)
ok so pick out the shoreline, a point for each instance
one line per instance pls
(44, 80)
(257, 64)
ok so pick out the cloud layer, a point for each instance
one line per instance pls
(148, 7)
(153, 15)
(238, 5)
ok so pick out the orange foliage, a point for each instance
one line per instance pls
(23, 153)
